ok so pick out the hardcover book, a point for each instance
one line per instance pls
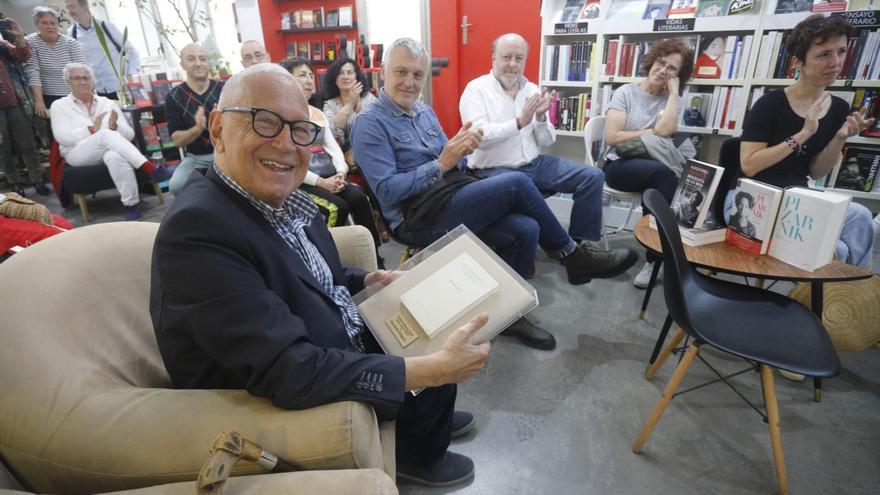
(592, 10)
(711, 8)
(333, 18)
(656, 9)
(440, 289)
(571, 11)
(446, 294)
(303, 49)
(345, 15)
(627, 10)
(828, 5)
(807, 227)
(696, 109)
(160, 91)
(791, 6)
(709, 233)
(751, 225)
(139, 95)
(682, 9)
(695, 192)
(858, 169)
(708, 63)
(308, 19)
(151, 137)
(864, 5)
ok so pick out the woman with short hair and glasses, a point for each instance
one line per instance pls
(326, 180)
(799, 131)
(648, 107)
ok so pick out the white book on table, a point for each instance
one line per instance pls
(808, 226)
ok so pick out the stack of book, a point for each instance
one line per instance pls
(569, 113)
(692, 204)
(569, 62)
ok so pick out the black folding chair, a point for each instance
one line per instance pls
(766, 329)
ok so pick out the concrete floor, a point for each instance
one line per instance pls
(564, 421)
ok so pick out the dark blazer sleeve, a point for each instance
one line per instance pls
(210, 284)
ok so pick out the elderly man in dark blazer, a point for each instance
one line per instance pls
(248, 290)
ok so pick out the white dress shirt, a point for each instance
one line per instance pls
(331, 147)
(486, 104)
(105, 79)
(71, 120)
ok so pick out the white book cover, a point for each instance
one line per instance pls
(775, 53)
(807, 227)
(763, 56)
(448, 293)
(345, 15)
(742, 70)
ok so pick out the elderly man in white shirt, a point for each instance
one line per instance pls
(91, 130)
(512, 113)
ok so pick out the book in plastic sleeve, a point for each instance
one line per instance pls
(750, 227)
(807, 227)
(441, 288)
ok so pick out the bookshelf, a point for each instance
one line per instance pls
(283, 37)
(610, 27)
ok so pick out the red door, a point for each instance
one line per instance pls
(472, 57)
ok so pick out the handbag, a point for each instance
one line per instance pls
(632, 149)
(16, 206)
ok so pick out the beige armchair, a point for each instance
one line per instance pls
(86, 405)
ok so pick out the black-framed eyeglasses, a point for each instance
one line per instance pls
(269, 124)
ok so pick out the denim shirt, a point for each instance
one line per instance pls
(397, 152)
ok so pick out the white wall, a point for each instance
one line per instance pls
(387, 20)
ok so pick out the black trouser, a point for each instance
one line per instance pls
(352, 200)
(15, 125)
(423, 422)
(112, 96)
(639, 175)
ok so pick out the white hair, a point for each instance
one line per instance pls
(77, 65)
(41, 10)
(414, 48)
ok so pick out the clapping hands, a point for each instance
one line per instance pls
(462, 144)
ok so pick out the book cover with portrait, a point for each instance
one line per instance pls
(711, 8)
(695, 111)
(753, 217)
(708, 63)
(858, 169)
(695, 192)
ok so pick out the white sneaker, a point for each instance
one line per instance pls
(643, 278)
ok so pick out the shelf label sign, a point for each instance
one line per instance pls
(861, 18)
(570, 28)
(666, 25)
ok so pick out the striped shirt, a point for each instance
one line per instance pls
(289, 222)
(46, 65)
(642, 109)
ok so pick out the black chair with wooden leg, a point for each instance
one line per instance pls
(766, 329)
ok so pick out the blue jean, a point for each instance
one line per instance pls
(508, 213)
(856, 243)
(552, 174)
(187, 165)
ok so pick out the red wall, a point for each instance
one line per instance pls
(270, 18)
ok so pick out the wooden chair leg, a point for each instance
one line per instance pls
(668, 392)
(667, 351)
(83, 208)
(775, 432)
(158, 191)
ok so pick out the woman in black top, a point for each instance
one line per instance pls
(800, 131)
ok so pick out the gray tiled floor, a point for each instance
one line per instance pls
(564, 421)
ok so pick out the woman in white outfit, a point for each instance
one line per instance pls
(91, 130)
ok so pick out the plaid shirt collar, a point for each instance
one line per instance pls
(297, 206)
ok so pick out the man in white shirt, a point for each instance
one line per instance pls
(512, 113)
(253, 52)
(83, 30)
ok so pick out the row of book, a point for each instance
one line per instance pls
(155, 95)
(862, 57)
(857, 170)
(715, 110)
(568, 62)
(719, 57)
(569, 113)
(156, 135)
(317, 18)
(320, 50)
(798, 226)
(792, 6)
(626, 10)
